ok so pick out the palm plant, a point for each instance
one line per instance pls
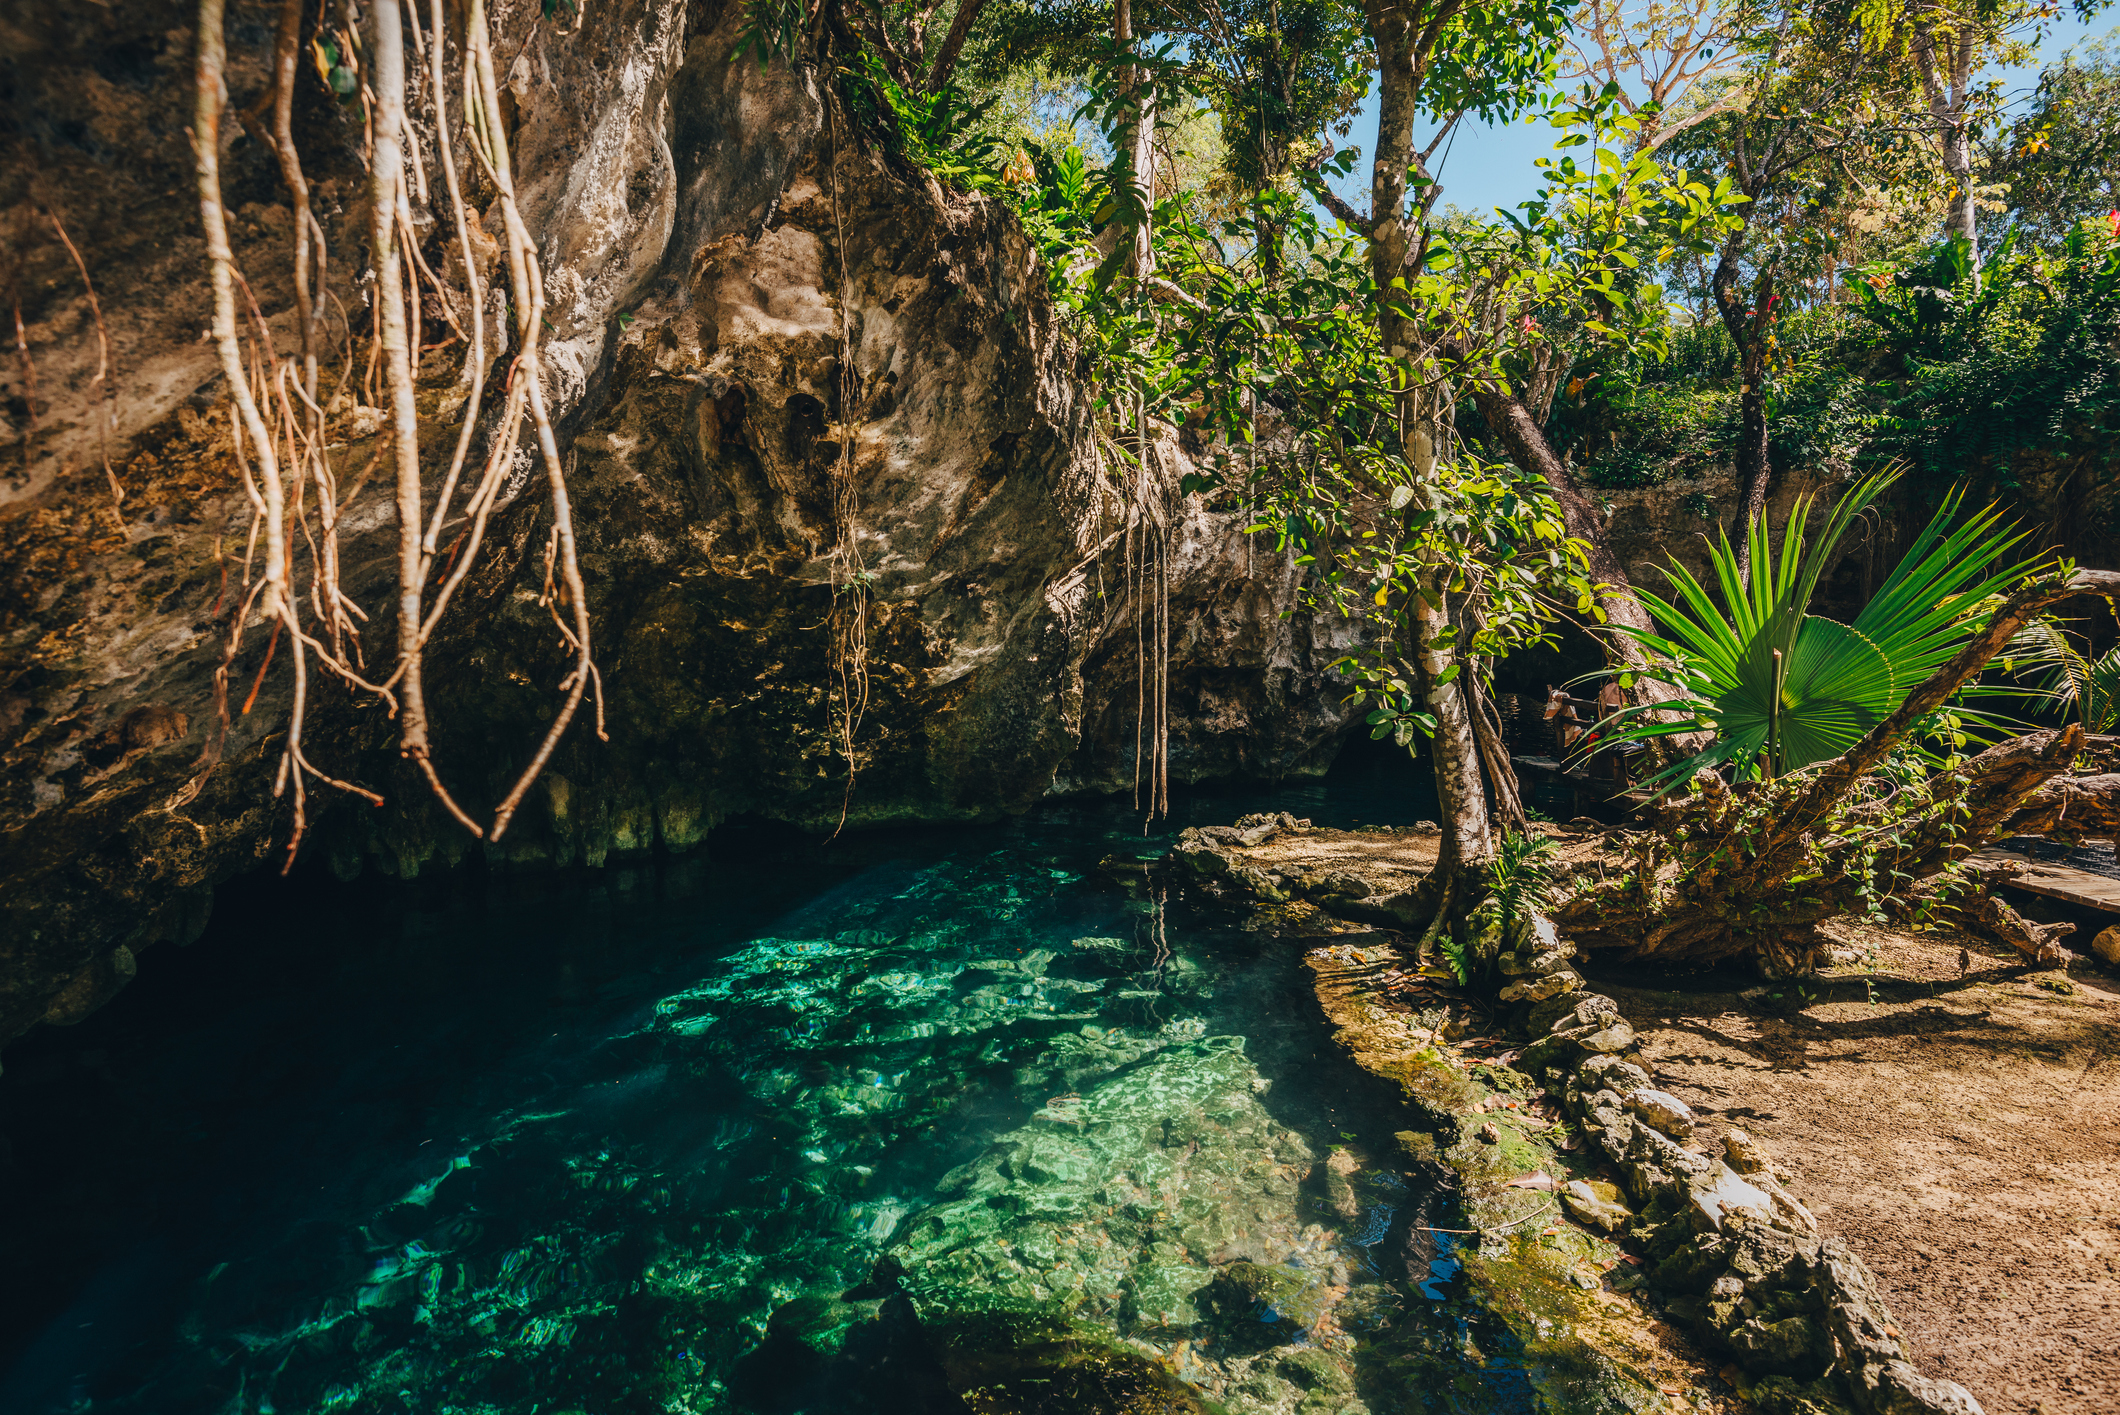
(2087, 688)
(1782, 688)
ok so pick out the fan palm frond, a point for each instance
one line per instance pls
(1781, 687)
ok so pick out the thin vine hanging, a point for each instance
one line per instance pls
(279, 413)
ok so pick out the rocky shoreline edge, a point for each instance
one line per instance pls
(1560, 1111)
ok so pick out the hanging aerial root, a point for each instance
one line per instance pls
(105, 397)
(849, 577)
(278, 413)
(277, 600)
(527, 283)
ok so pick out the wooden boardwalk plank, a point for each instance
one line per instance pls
(2063, 882)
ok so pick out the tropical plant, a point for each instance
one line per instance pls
(2026, 364)
(2087, 688)
(1521, 876)
(1783, 688)
(1924, 306)
(944, 132)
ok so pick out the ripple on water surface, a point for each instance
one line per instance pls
(966, 1115)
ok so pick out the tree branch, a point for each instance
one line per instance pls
(1331, 200)
(1835, 779)
(953, 43)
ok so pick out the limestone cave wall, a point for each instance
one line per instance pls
(714, 247)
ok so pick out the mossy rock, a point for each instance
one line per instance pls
(1528, 1285)
(1780, 1395)
(1267, 1302)
(1002, 1363)
(820, 1323)
(1419, 1146)
(1435, 1087)
(1793, 1346)
(1326, 1387)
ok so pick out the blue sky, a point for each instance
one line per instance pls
(1492, 166)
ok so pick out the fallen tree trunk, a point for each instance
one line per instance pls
(2071, 808)
(1977, 911)
(1754, 873)
(1696, 894)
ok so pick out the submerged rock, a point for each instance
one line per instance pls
(1339, 1171)
(821, 1323)
(1274, 1297)
(1010, 1363)
(1116, 1200)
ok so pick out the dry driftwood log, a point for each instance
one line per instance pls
(1755, 873)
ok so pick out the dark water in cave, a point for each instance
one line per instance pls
(565, 1144)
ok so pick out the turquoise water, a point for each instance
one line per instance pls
(569, 1145)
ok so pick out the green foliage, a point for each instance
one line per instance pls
(339, 70)
(1280, 74)
(2027, 362)
(944, 132)
(1376, 529)
(1937, 306)
(2087, 688)
(1520, 877)
(1953, 371)
(772, 29)
(1457, 955)
(1782, 688)
(2060, 160)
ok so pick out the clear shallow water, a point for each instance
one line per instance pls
(567, 1144)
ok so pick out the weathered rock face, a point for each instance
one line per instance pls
(716, 250)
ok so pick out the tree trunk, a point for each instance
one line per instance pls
(1520, 433)
(1946, 74)
(953, 43)
(1501, 771)
(1141, 145)
(1961, 218)
(1468, 833)
(1748, 328)
(1755, 462)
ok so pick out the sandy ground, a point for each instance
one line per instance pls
(1962, 1132)
(1960, 1128)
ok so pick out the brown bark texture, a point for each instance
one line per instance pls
(1519, 432)
(1755, 873)
(1748, 326)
